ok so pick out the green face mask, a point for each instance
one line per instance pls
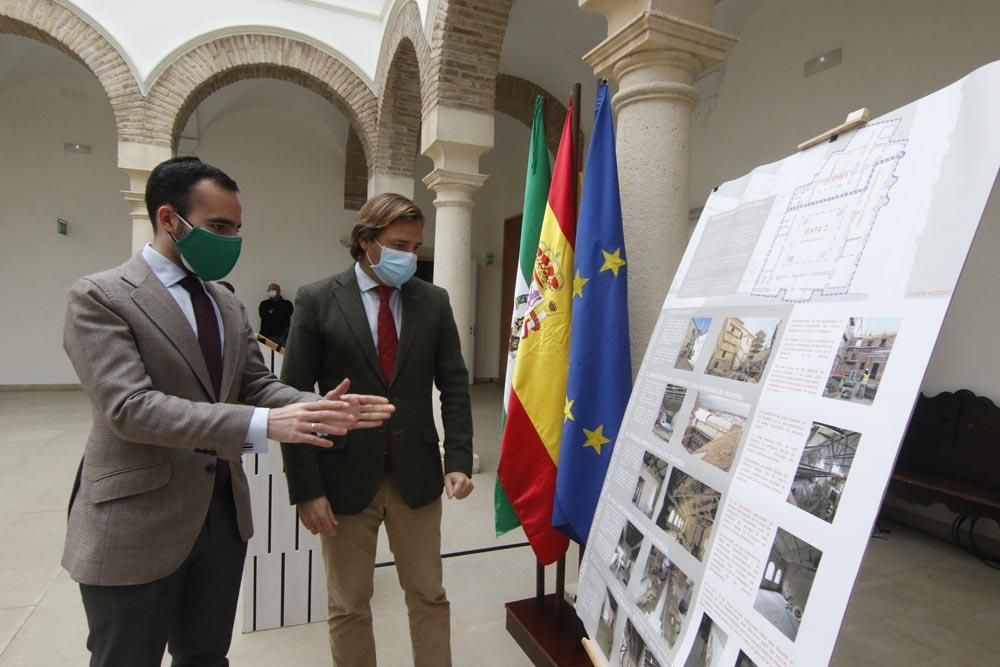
(209, 255)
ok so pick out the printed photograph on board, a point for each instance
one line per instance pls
(606, 623)
(664, 595)
(861, 358)
(688, 512)
(626, 552)
(744, 348)
(709, 644)
(633, 652)
(823, 469)
(788, 578)
(715, 429)
(694, 340)
(673, 398)
(649, 485)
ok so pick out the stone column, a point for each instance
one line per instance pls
(453, 269)
(138, 160)
(455, 139)
(654, 51)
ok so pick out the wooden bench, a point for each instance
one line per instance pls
(951, 455)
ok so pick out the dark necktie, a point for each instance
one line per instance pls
(388, 340)
(388, 343)
(210, 341)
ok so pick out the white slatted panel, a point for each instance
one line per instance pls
(276, 593)
(296, 588)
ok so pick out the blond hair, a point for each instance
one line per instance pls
(378, 213)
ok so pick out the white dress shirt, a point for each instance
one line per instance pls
(171, 276)
(371, 301)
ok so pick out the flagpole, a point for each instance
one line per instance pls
(577, 148)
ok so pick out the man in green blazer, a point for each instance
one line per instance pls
(392, 335)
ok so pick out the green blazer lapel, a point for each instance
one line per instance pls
(348, 296)
(155, 301)
(412, 310)
(232, 335)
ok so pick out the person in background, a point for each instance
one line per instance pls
(275, 315)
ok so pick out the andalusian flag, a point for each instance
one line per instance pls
(530, 448)
(600, 364)
(536, 189)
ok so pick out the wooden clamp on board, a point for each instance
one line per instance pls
(594, 653)
(854, 119)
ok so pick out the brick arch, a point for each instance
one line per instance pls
(399, 114)
(355, 173)
(55, 25)
(515, 97)
(465, 53)
(201, 71)
(404, 23)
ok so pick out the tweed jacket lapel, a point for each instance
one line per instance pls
(155, 301)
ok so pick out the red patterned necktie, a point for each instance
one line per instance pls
(210, 342)
(388, 343)
(388, 340)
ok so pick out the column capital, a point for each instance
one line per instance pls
(454, 188)
(653, 36)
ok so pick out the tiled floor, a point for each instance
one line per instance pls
(919, 601)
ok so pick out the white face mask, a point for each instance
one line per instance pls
(272, 293)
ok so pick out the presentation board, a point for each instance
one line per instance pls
(776, 388)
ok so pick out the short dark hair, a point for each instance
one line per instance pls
(378, 213)
(172, 180)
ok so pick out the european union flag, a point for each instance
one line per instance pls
(600, 364)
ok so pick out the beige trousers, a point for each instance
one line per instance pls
(415, 541)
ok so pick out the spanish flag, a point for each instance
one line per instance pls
(536, 191)
(529, 451)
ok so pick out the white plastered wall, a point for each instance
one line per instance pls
(284, 146)
(43, 107)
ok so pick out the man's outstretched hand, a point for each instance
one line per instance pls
(369, 411)
(337, 413)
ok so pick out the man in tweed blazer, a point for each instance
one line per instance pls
(159, 521)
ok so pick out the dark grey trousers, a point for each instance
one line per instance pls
(190, 611)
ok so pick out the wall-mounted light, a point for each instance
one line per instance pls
(823, 62)
(83, 149)
(62, 226)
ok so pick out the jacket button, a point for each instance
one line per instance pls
(210, 467)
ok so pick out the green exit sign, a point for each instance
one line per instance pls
(62, 226)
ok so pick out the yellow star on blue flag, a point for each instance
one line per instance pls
(578, 284)
(612, 261)
(595, 438)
